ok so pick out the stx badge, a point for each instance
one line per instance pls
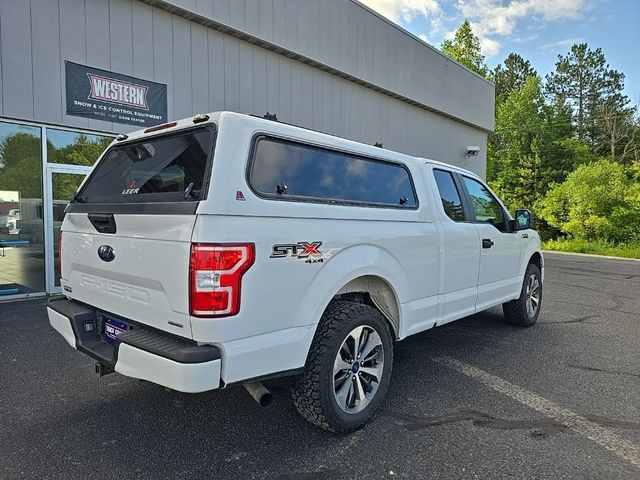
(309, 251)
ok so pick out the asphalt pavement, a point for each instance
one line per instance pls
(473, 399)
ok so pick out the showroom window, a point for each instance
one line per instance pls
(21, 220)
(28, 249)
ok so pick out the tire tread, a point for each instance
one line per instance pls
(307, 392)
(515, 312)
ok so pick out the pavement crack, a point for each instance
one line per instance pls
(601, 277)
(538, 428)
(324, 475)
(610, 294)
(609, 422)
(594, 306)
(625, 276)
(574, 320)
(604, 370)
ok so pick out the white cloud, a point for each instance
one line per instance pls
(491, 18)
(492, 21)
(526, 39)
(489, 47)
(423, 37)
(403, 10)
(566, 43)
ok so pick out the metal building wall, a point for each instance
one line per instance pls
(206, 69)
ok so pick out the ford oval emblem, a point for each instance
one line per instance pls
(105, 252)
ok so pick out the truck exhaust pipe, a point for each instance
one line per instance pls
(259, 393)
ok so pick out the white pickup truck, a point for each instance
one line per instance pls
(228, 249)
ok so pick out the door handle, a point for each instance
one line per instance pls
(525, 235)
(487, 243)
(103, 223)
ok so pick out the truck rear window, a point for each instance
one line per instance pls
(167, 168)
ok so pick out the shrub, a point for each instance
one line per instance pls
(596, 202)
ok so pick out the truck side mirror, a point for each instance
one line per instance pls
(524, 219)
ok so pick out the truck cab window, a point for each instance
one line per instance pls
(485, 207)
(449, 195)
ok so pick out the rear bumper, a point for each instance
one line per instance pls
(167, 360)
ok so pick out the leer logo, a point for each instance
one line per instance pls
(109, 90)
(132, 189)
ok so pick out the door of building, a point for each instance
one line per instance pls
(60, 184)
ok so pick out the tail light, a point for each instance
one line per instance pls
(216, 272)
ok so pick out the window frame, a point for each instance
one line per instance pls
(469, 216)
(506, 224)
(322, 200)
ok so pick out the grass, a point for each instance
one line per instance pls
(577, 245)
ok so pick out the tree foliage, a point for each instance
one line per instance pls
(83, 151)
(511, 75)
(533, 146)
(567, 146)
(465, 49)
(597, 201)
(21, 164)
(584, 81)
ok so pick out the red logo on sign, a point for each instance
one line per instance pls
(240, 196)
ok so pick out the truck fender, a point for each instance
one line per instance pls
(344, 267)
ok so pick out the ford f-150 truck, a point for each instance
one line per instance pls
(228, 249)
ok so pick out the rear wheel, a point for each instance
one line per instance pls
(524, 310)
(348, 368)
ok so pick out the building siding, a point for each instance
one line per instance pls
(208, 70)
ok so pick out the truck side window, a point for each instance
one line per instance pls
(289, 170)
(449, 195)
(485, 206)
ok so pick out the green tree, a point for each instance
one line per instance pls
(465, 49)
(583, 80)
(598, 201)
(533, 148)
(83, 151)
(516, 162)
(20, 165)
(511, 75)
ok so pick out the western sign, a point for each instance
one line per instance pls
(109, 90)
(113, 97)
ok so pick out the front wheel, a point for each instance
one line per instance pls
(525, 309)
(347, 372)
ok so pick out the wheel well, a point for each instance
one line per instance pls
(536, 259)
(377, 293)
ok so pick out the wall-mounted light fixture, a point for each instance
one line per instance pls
(473, 151)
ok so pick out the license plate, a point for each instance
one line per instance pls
(113, 328)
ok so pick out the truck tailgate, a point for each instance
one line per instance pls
(147, 281)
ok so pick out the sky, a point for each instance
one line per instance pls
(538, 30)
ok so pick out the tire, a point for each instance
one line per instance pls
(524, 310)
(319, 393)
